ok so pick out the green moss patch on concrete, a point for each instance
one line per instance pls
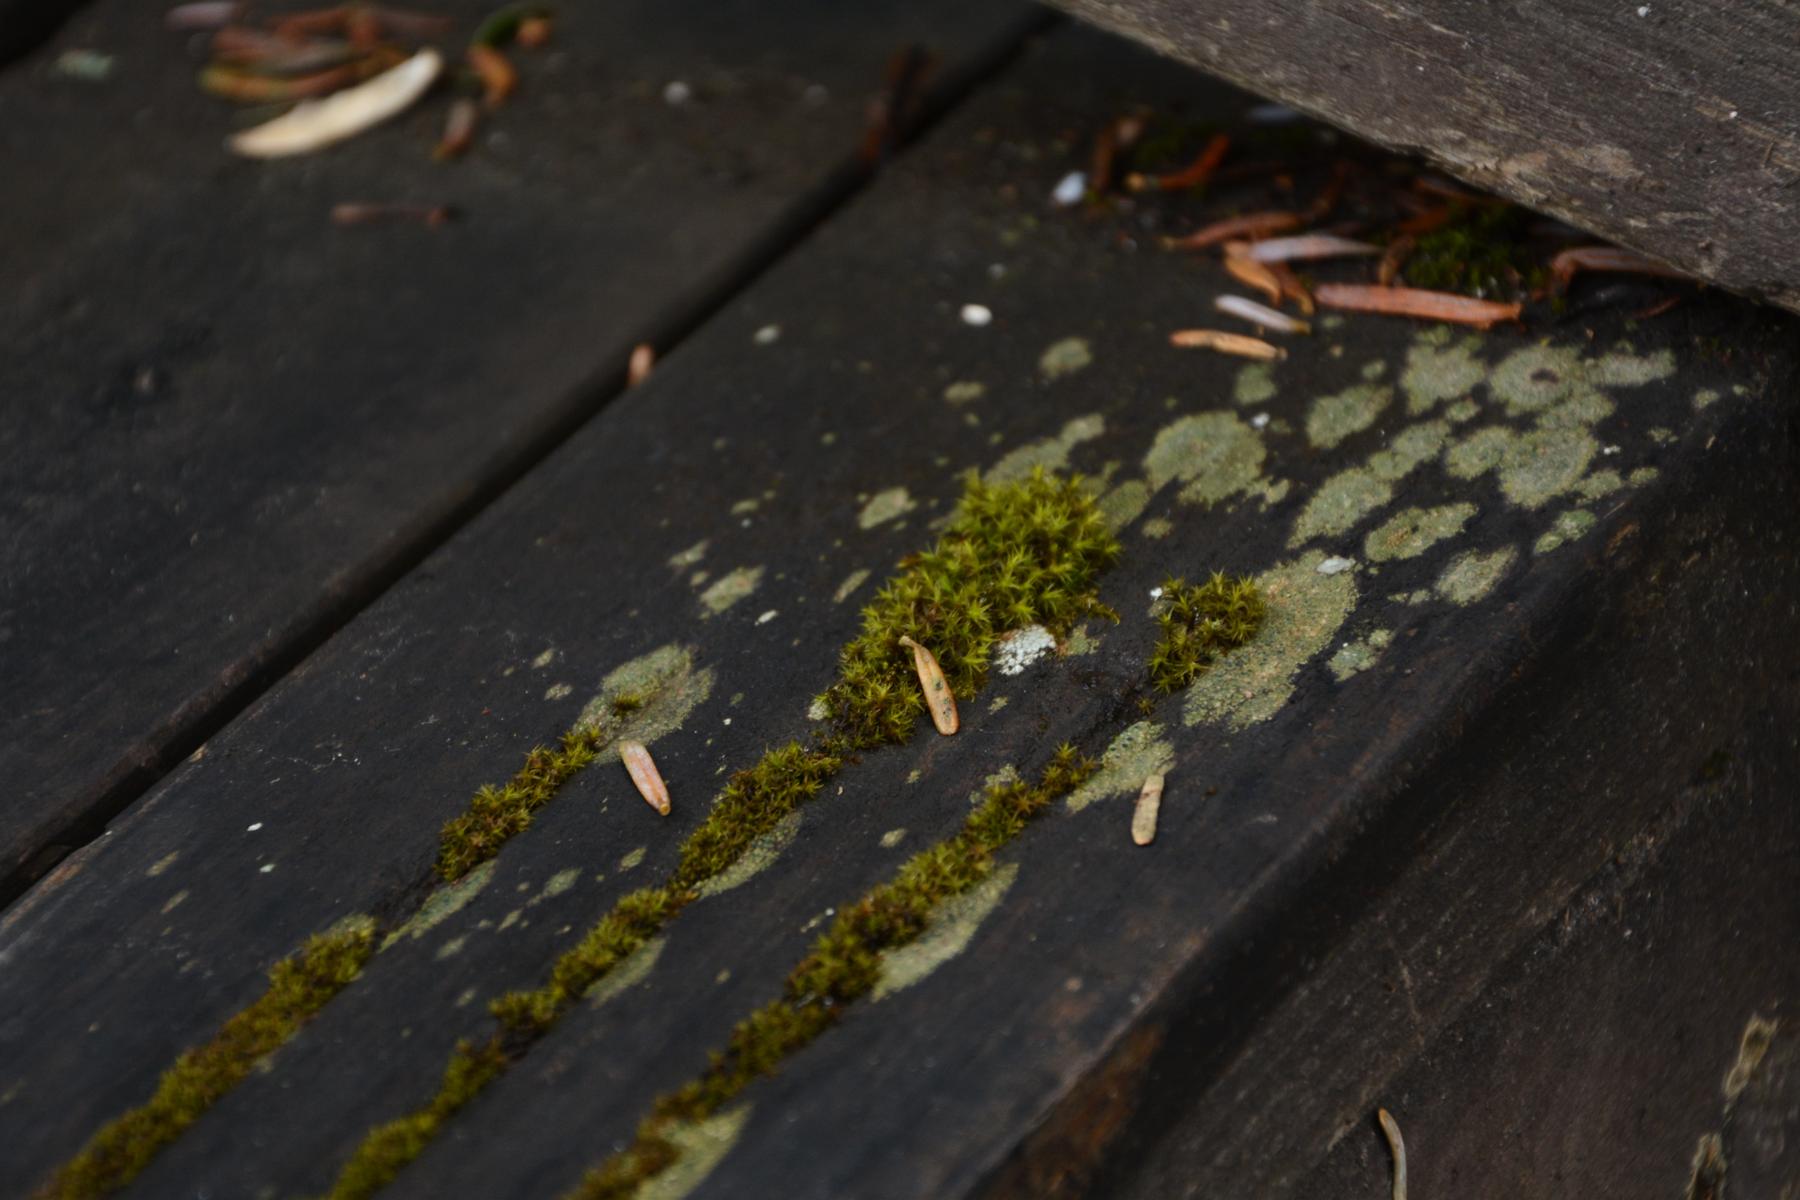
(1199, 623)
(1412, 531)
(1332, 419)
(1473, 574)
(1305, 610)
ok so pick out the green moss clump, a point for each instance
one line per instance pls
(1199, 623)
(299, 986)
(842, 967)
(497, 814)
(1482, 253)
(627, 703)
(1016, 554)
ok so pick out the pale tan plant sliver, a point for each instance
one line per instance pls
(642, 769)
(938, 696)
(315, 124)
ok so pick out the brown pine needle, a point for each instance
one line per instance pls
(1398, 251)
(1251, 225)
(642, 769)
(1225, 343)
(938, 696)
(1603, 258)
(1416, 302)
(1251, 273)
(1143, 817)
(1193, 175)
(1391, 1128)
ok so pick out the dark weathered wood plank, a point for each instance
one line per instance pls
(228, 424)
(1101, 964)
(1671, 127)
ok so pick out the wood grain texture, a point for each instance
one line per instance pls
(228, 423)
(1066, 1029)
(1671, 127)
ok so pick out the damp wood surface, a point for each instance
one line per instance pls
(1672, 127)
(228, 422)
(1447, 588)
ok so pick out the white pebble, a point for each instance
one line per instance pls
(1070, 189)
(977, 315)
(1335, 565)
(267, 867)
(1156, 593)
(253, 828)
(1259, 421)
(766, 617)
(1643, 10)
(677, 93)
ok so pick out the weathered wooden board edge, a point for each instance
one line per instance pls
(165, 741)
(1246, 1093)
(1672, 128)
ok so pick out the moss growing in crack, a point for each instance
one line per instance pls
(843, 966)
(1016, 554)
(497, 814)
(1482, 252)
(1199, 623)
(299, 986)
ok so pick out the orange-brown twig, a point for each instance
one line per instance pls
(1393, 258)
(499, 78)
(1193, 175)
(1292, 288)
(1116, 135)
(1603, 258)
(1225, 343)
(1416, 302)
(1251, 225)
(1254, 274)
(459, 129)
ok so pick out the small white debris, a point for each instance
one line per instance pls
(676, 93)
(1156, 593)
(1070, 189)
(1336, 565)
(768, 335)
(266, 868)
(977, 315)
(1609, 449)
(557, 691)
(253, 827)
(818, 710)
(1273, 114)
(766, 617)
(1259, 421)
(1643, 10)
(1143, 817)
(996, 270)
(1022, 647)
(314, 124)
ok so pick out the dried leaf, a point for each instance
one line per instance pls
(1391, 1128)
(643, 359)
(1143, 816)
(1416, 302)
(643, 772)
(1225, 343)
(938, 696)
(1251, 273)
(317, 124)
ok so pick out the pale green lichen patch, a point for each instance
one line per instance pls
(1599, 484)
(1543, 378)
(1305, 610)
(1569, 526)
(1065, 358)
(1342, 501)
(558, 884)
(1052, 454)
(965, 391)
(687, 558)
(893, 837)
(162, 864)
(1473, 574)
(1534, 467)
(1158, 527)
(632, 970)
(885, 506)
(1412, 531)
(1255, 385)
(444, 902)
(1214, 455)
(452, 947)
(633, 857)
(1081, 642)
(729, 589)
(1124, 504)
(952, 928)
(1355, 657)
(1333, 418)
(1138, 752)
(1439, 367)
(701, 1146)
(851, 582)
(758, 857)
(645, 699)
(1704, 397)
